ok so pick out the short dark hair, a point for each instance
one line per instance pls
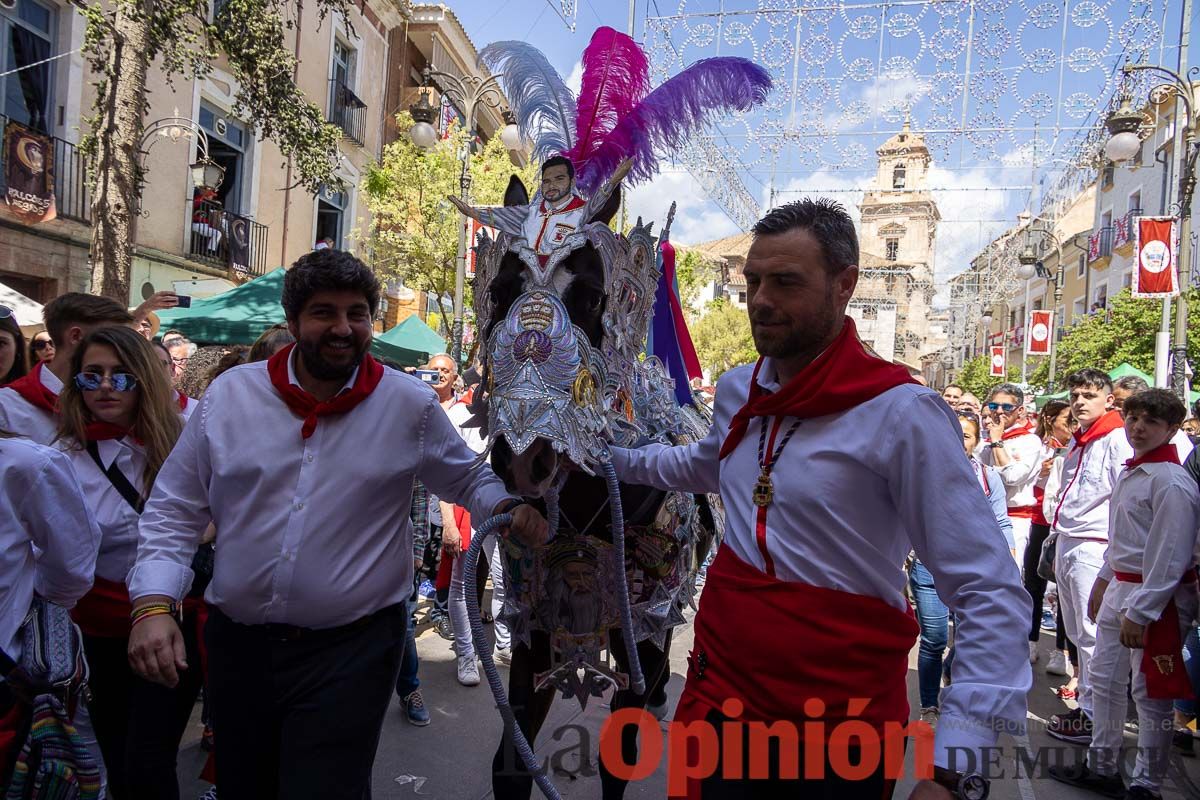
(825, 219)
(324, 270)
(1159, 403)
(559, 161)
(20, 363)
(1010, 389)
(77, 308)
(1131, 383)
(1090, 378)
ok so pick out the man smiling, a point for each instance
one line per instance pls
(305, 463)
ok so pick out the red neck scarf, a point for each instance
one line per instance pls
(842, 377)
(1100, 428)
(182, 400)
(34, 391)
(1019, 430)
(103, 431)
(1162, 453)
(309, 408)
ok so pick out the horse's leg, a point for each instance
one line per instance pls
(657, 664)
(510, 780)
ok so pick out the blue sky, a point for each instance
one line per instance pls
(857, 70)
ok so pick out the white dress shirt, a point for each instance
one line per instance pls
(1183, 445)
(1089, 474)
(854, 492)
(19, 416)
(1020, 474)
(48, 538)
(1154, 516)
(312, 532)
(117, 520)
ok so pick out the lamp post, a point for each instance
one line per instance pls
(1028, 258)
(1125, 141)
(471, 93)
(1026, 268)
(206, 174)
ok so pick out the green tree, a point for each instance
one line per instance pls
(722, 338)
(976, 378)
(693, 272)
(121, 41)
(416, 229)
(1124, 334)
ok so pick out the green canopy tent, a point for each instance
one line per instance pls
(414, 334)
(1122, 370)
(241, 314)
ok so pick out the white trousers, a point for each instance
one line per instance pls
(1020, 530)
(463, 645)
(1109, 672)
(1076, 565)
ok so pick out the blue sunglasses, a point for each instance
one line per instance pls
(120, 381)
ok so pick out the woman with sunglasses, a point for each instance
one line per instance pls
(12, 347)
(41, 348)
(119, 421)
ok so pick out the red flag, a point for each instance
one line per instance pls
(1155, 275)
(1040, 333)
(997, 361)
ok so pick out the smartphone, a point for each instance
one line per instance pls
(185, 300)
(428, 375)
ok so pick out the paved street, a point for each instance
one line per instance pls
(451, 758)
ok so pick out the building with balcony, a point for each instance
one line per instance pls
(258, 218)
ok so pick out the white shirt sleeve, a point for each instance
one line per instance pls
(1169, 548)
(449, 471)
(956, 536)
(175, 516)
(1025, 459)
(57, 519)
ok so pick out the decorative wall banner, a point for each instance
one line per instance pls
(1041, 333)
(998, 366)
(29, 174)
(1156, 246)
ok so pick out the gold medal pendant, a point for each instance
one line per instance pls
(764, 491)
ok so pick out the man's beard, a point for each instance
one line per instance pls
(800, 336)
(321, 369)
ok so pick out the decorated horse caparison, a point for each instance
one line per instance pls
(563, 305)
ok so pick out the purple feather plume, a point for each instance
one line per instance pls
(616, 76)
(669, 115)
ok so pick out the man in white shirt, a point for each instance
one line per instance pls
(835, 466)
(1016, 451)
(29, 405)
(1097, 456)
(305, 464)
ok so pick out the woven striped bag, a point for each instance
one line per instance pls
(54, 763)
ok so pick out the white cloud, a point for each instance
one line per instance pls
(575, 79)
(697, 218)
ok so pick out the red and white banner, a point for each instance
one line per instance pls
(997, 361)
(1156, 246)
(473, 227)
(1040, 333)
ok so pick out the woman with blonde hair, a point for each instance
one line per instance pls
(119, 421)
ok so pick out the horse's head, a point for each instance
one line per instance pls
(545, 327)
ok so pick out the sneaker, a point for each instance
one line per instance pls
(1079, 775)
(503, 656)
(1033, 652)
(445, 628)
(1057, 663)
(1141, 793)
(1075, 727)
(468, 672)
(930, 716)
(414, 708)
(1049, 621)
(1184, 743)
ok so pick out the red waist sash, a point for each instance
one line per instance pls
(767, 643)
(1162, 655)
(1023, 512)
(104, 611)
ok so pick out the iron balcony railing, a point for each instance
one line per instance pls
(347, 111)
(1100, 243)
(232, 241)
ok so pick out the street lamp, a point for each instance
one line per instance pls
(206, 173)
(470, 92)
(1027, 263)
(986, 319)
(1124, 125)
(510, 134)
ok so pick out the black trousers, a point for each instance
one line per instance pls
(300, 718)
(831, 787)
(140, 724)
(510, 780)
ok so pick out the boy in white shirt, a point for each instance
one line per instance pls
(1142, 615)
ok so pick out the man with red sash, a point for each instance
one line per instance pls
(1097, 456)
(1142, 603)
(1014, 449)
(832, 464)
(29, 405)
(305, 464)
